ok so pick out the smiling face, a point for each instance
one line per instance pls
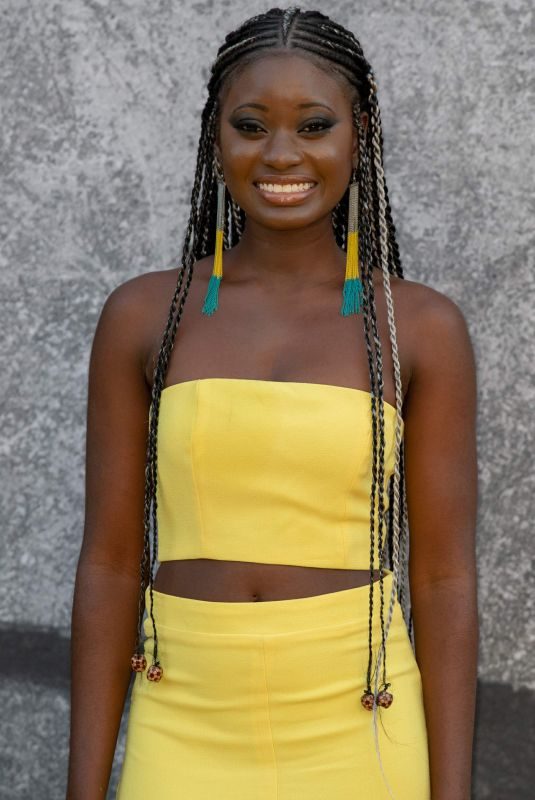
(286, 140)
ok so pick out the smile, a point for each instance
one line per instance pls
(285, 193)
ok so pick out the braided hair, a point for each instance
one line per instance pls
(336, 50)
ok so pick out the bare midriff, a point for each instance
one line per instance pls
(241, 581)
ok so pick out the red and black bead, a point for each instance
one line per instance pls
(384, 699)
(367, 700)
(154, 672)
(138, 662)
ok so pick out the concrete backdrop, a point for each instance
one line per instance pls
(100, 106)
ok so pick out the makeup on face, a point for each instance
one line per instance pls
(286, 137)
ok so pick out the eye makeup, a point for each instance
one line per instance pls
(320, 124)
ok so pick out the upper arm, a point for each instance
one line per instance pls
(117, 425)
(440, 445)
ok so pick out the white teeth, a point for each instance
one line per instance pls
(285, 187)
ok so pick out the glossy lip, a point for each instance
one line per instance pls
(286, 198)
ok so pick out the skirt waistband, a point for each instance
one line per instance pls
(269, 616)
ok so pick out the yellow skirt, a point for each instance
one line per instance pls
(261, 701)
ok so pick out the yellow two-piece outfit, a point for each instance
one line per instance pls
(261, 700)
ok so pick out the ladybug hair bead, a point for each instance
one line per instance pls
(367, 700)
(154, 672)
(138, 662)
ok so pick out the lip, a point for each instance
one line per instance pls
(285, 198)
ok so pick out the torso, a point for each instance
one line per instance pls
(253, 335)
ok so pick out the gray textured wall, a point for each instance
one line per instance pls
(100, 107)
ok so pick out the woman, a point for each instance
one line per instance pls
(317, 409)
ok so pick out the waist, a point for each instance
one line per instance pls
(239, 581)
(287, 614)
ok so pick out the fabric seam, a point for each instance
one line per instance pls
(269, 719)
(194, 469)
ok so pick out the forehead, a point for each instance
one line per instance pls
(284, 79)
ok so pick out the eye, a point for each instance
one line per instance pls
(246, 126)
(317, 125)
(314, 126)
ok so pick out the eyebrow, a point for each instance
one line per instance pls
(299, 105)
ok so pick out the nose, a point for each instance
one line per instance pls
(281, 150)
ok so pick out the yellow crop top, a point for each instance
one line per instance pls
(268, 471)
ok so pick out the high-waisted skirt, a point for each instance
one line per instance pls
(261, 701)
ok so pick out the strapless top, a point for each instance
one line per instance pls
(274, 472)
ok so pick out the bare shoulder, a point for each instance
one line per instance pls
(141, 305)
(431, 311)
(431, 323)
(438, 343)
(138, 308)
(134, 296)
(138, 294)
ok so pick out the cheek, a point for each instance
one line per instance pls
(240, 155)
(336, 149)
(241, 159)
(333, 164)
(240, 163)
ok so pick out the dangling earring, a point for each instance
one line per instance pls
(212, 293)
(352, 301)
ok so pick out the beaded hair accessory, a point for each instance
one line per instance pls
(352, 292)
(211, 300)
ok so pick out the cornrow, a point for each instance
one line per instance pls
(336, 50)
(287, 18)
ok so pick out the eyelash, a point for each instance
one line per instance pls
(325, 126)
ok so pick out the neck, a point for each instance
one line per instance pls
(273, 257)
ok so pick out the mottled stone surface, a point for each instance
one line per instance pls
(34, 742)
(100, 103)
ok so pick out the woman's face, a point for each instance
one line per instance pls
(286, 122)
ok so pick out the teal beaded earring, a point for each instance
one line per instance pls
(352, 293)
(211, 301)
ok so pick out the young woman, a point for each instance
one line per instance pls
(267, 423)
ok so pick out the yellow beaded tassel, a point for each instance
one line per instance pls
(212, 293)
(352, 299)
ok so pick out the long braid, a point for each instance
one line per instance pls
(340, 224)
(336, 50)
(204, 233)
(165, 353)
(237, 218)
(367, 278)
(394, 256)
(372, 253)
(371, 256)
(384, 251)
(375, 361)
(188, 258)
(404, 597)
(192, 237)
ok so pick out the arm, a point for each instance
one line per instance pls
(105, 602)
(441, 475)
